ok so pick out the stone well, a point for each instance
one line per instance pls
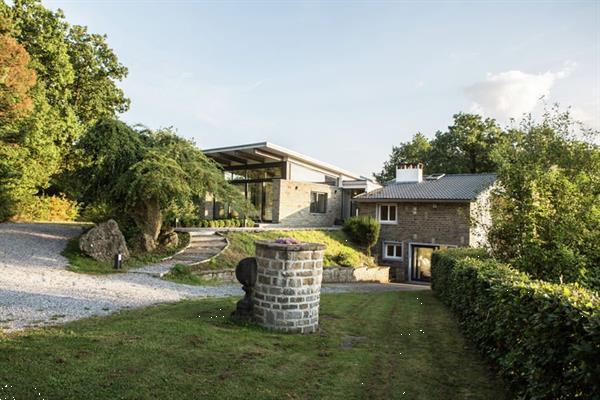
(288, 286)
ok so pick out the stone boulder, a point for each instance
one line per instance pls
(104, 241)
(169, 239)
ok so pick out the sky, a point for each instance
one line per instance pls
(344, 81)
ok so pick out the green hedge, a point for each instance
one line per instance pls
(544, 338)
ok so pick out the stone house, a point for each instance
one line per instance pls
(421, 214)
(287, 188)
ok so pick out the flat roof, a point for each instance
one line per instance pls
(262, 152)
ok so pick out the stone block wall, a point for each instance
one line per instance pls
(291, 204)
(288, 286)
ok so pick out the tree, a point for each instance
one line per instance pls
(144, 173)
(76, 85)
(546, 214)
(415, 151)
(466, 146)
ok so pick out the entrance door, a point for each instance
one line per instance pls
(421, 262)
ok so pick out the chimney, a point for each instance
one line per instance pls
(409, 173)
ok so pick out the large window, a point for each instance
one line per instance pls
(387, 213)
(318, 202)
(392, 250)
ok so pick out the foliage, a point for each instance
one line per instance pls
(546, 218)
(413, 152)
(79, 262)
(339, 249)
(76, 85)
(49, 208)
(154, 353)
(466, 147)
(363, 230)
(542, 337)
(16, 80)
(145, 174)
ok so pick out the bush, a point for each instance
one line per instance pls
(363, 230)
(48, 208)
(543, 337)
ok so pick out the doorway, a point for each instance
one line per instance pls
(420, 262)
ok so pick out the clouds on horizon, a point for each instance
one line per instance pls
(511, 94)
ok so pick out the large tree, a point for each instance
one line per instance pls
(465, 147)
(546, 214)
(76, 85)
(143, 173)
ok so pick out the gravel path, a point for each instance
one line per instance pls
(37, 290)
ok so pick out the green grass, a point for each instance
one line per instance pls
(339, 251)
(181, 273)
(410, 348)
(79, 262)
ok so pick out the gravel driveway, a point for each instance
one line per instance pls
(36, 289)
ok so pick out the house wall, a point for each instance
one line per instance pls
(437, 223)
(291, 204)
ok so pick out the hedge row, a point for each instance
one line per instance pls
(544, 338)
(217, 223)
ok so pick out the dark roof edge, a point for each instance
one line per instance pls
(393, 200)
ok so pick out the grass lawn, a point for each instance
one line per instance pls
(378, 346)
(79, 262)
(340, 250)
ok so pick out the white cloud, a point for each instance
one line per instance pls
(511, 94)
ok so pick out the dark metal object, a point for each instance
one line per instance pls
(245, 272)
(118, 261)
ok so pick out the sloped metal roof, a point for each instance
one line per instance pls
(450, 187)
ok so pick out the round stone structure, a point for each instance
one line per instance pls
(287, 292)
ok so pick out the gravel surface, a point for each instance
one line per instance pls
(37, 290)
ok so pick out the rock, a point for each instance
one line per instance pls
(169, 239)
(104, 241)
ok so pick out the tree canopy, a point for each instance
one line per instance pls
(466, 147)
(75, 86)
(144, 173)
(546, 211)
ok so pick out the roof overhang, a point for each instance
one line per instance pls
(371, 200)
(265, 152)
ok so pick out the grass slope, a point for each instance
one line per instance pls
(378, 346)
(339, 251)
(79, 262)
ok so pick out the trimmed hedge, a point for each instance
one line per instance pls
(544, 338)
(363, 230)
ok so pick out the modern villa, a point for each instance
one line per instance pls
(417, 214)
(286, 187)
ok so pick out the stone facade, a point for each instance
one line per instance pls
(288, 286)
(291, 204)
(443, 224)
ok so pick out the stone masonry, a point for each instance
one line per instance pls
(288, 286)
(291, 204)
(422, 222)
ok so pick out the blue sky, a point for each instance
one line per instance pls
(345, 81)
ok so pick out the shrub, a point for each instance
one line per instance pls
(363, 230)
(543, 337)
(48, 208)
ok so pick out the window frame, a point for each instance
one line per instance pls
(387, 221)
(315, 210)
(395, 257)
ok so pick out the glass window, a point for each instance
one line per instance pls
(387, 213)
(392, 250)
(318, 202)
